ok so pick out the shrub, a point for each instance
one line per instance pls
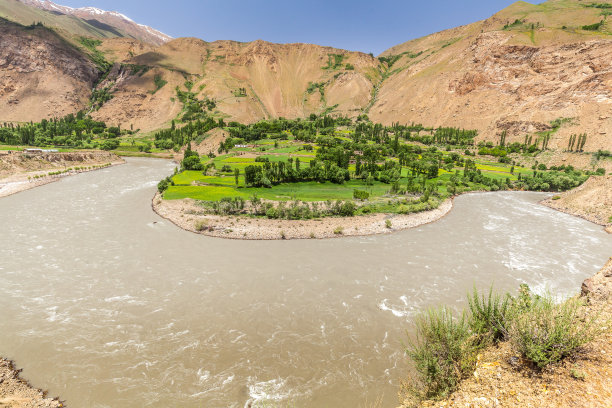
(442, 353)
(388, 224)
(159, 83)
(162, 185)
(489, 316)
(360, 195)
(110, 144)
(549, 332)
(201, 225)
(339, 231)
(556, 197)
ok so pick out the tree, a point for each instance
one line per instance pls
(192, 163)
(237, 176)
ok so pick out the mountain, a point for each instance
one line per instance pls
(518, 71)
(41, 74)
(248, 81)
(528, 70)
(88, 21)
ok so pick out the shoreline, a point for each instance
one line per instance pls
(23, 181)
(15, 391)
(550, 204)
(187, 215)
(591, 201)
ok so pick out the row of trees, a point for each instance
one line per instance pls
(176, 137)
(72, 131)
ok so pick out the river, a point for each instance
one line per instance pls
(107, 305)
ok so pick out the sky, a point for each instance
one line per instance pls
(367, 26)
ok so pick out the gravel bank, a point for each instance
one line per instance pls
(189, 216)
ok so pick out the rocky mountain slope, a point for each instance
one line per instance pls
(247, 81)
(41, 75)
(518, 71)
(88, 21)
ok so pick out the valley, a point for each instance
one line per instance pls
(259, 224)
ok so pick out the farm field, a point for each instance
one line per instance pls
(218, 181)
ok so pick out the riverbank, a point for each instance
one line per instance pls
(20, 172)
(15, 392)
(591, 201)
(188, 215)
(502, 379)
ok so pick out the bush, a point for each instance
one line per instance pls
(442, 353)
(593, 27)
(489, 316)
(163, 185)
(201, 225)
(549, 332)
(360, 195)
(110, 144)
(192, 163)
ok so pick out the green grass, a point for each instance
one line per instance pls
(213, 188)
(307, 191)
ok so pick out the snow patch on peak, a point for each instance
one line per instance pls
(146, 31)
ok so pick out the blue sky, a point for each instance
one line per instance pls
(368, 26)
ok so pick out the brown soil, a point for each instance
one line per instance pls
(591, 201)
(188, 215)
(15, 392)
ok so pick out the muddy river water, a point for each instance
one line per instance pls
(107, 305)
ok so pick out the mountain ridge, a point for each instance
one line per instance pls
(98, 18)
(520, 71)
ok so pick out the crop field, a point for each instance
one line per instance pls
(197, 185)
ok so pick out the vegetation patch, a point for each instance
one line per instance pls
(334, 61)
(159, 83)
(96, 55)
(444, 349)
(593, 27)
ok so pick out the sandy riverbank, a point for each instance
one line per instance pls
(15, 392)
(188, 215)
(19, 173)
(591, 201)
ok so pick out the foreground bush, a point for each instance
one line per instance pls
(445, 347)
(549, 332)
(442, 352)
(489, 316)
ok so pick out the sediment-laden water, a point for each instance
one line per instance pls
(107, 305)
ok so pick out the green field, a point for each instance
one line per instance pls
(303, 169)
(196, 185)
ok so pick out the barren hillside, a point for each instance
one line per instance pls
(248, 81)
(41, 75)
(516, 71)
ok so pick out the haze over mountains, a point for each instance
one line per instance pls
(517, 71)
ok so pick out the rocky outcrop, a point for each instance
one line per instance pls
(599, 287)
